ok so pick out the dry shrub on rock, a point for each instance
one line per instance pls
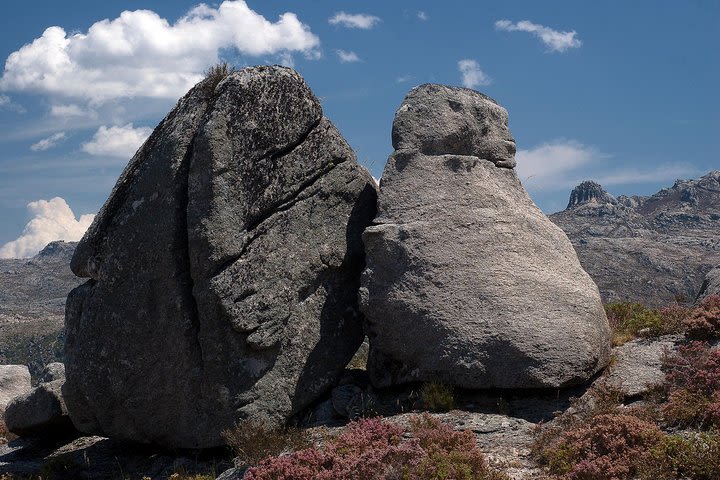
(371, 449)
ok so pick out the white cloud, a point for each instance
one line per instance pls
(51, 220)
(354, 20)
(472, 76)
(562, 164)
(404, 78)
(71, 110)
(554, 40)
(422, 16)
(48, 143)
(140, 54)
(347, 57)
(117, 141)
(6, 103)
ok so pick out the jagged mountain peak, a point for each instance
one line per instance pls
(589, 192)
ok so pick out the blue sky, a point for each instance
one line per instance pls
(624, 93)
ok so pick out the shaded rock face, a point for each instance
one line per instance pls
(651, 249)
(224, 268)
(467, 282)
(710, 286)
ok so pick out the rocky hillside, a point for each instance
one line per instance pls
(32, 306)
(653, 249)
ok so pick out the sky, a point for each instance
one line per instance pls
(623, 93)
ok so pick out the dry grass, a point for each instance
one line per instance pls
(253, 441)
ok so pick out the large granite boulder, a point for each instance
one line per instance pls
(710, 286)
(15, 380)
(224, 268)
(467, 281)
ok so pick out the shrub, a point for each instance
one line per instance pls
(216, 74)
(628, 320)
(371, 449)
(694, 367)
(695, 456)
(448, 453)
(703, 322)
(607, 446)
(692, 384)
(437, 397)
(252, 441)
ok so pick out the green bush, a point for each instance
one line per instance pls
(630, 320)
(437, 397)
(694, 456)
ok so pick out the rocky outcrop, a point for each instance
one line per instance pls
(710, 286)
(14, 381)
(467, 282)
(32, 306)
(590, 192)
(224, 268)
(654, 250)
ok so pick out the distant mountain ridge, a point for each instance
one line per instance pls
(32, 305)
(654, 249)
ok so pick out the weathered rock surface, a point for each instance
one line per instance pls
(32, 306)
(39, 411)
(637, 365)
(14, 381)
(654, 250)
(467, 282)
(710, 286)
(224, 268)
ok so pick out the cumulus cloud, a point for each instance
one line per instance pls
(51, 220)
(556, 41)
(4, 100)
(422, 16)
(561, 164)
(472, 76)
(117, 141)
(363, 21)
(347, 57)
(140, 54)
(48, 143)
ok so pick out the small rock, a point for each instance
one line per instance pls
(347, 401)
(38, 411)
(234, 473)
(14, 381)
(52, 371)
(638, 364)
